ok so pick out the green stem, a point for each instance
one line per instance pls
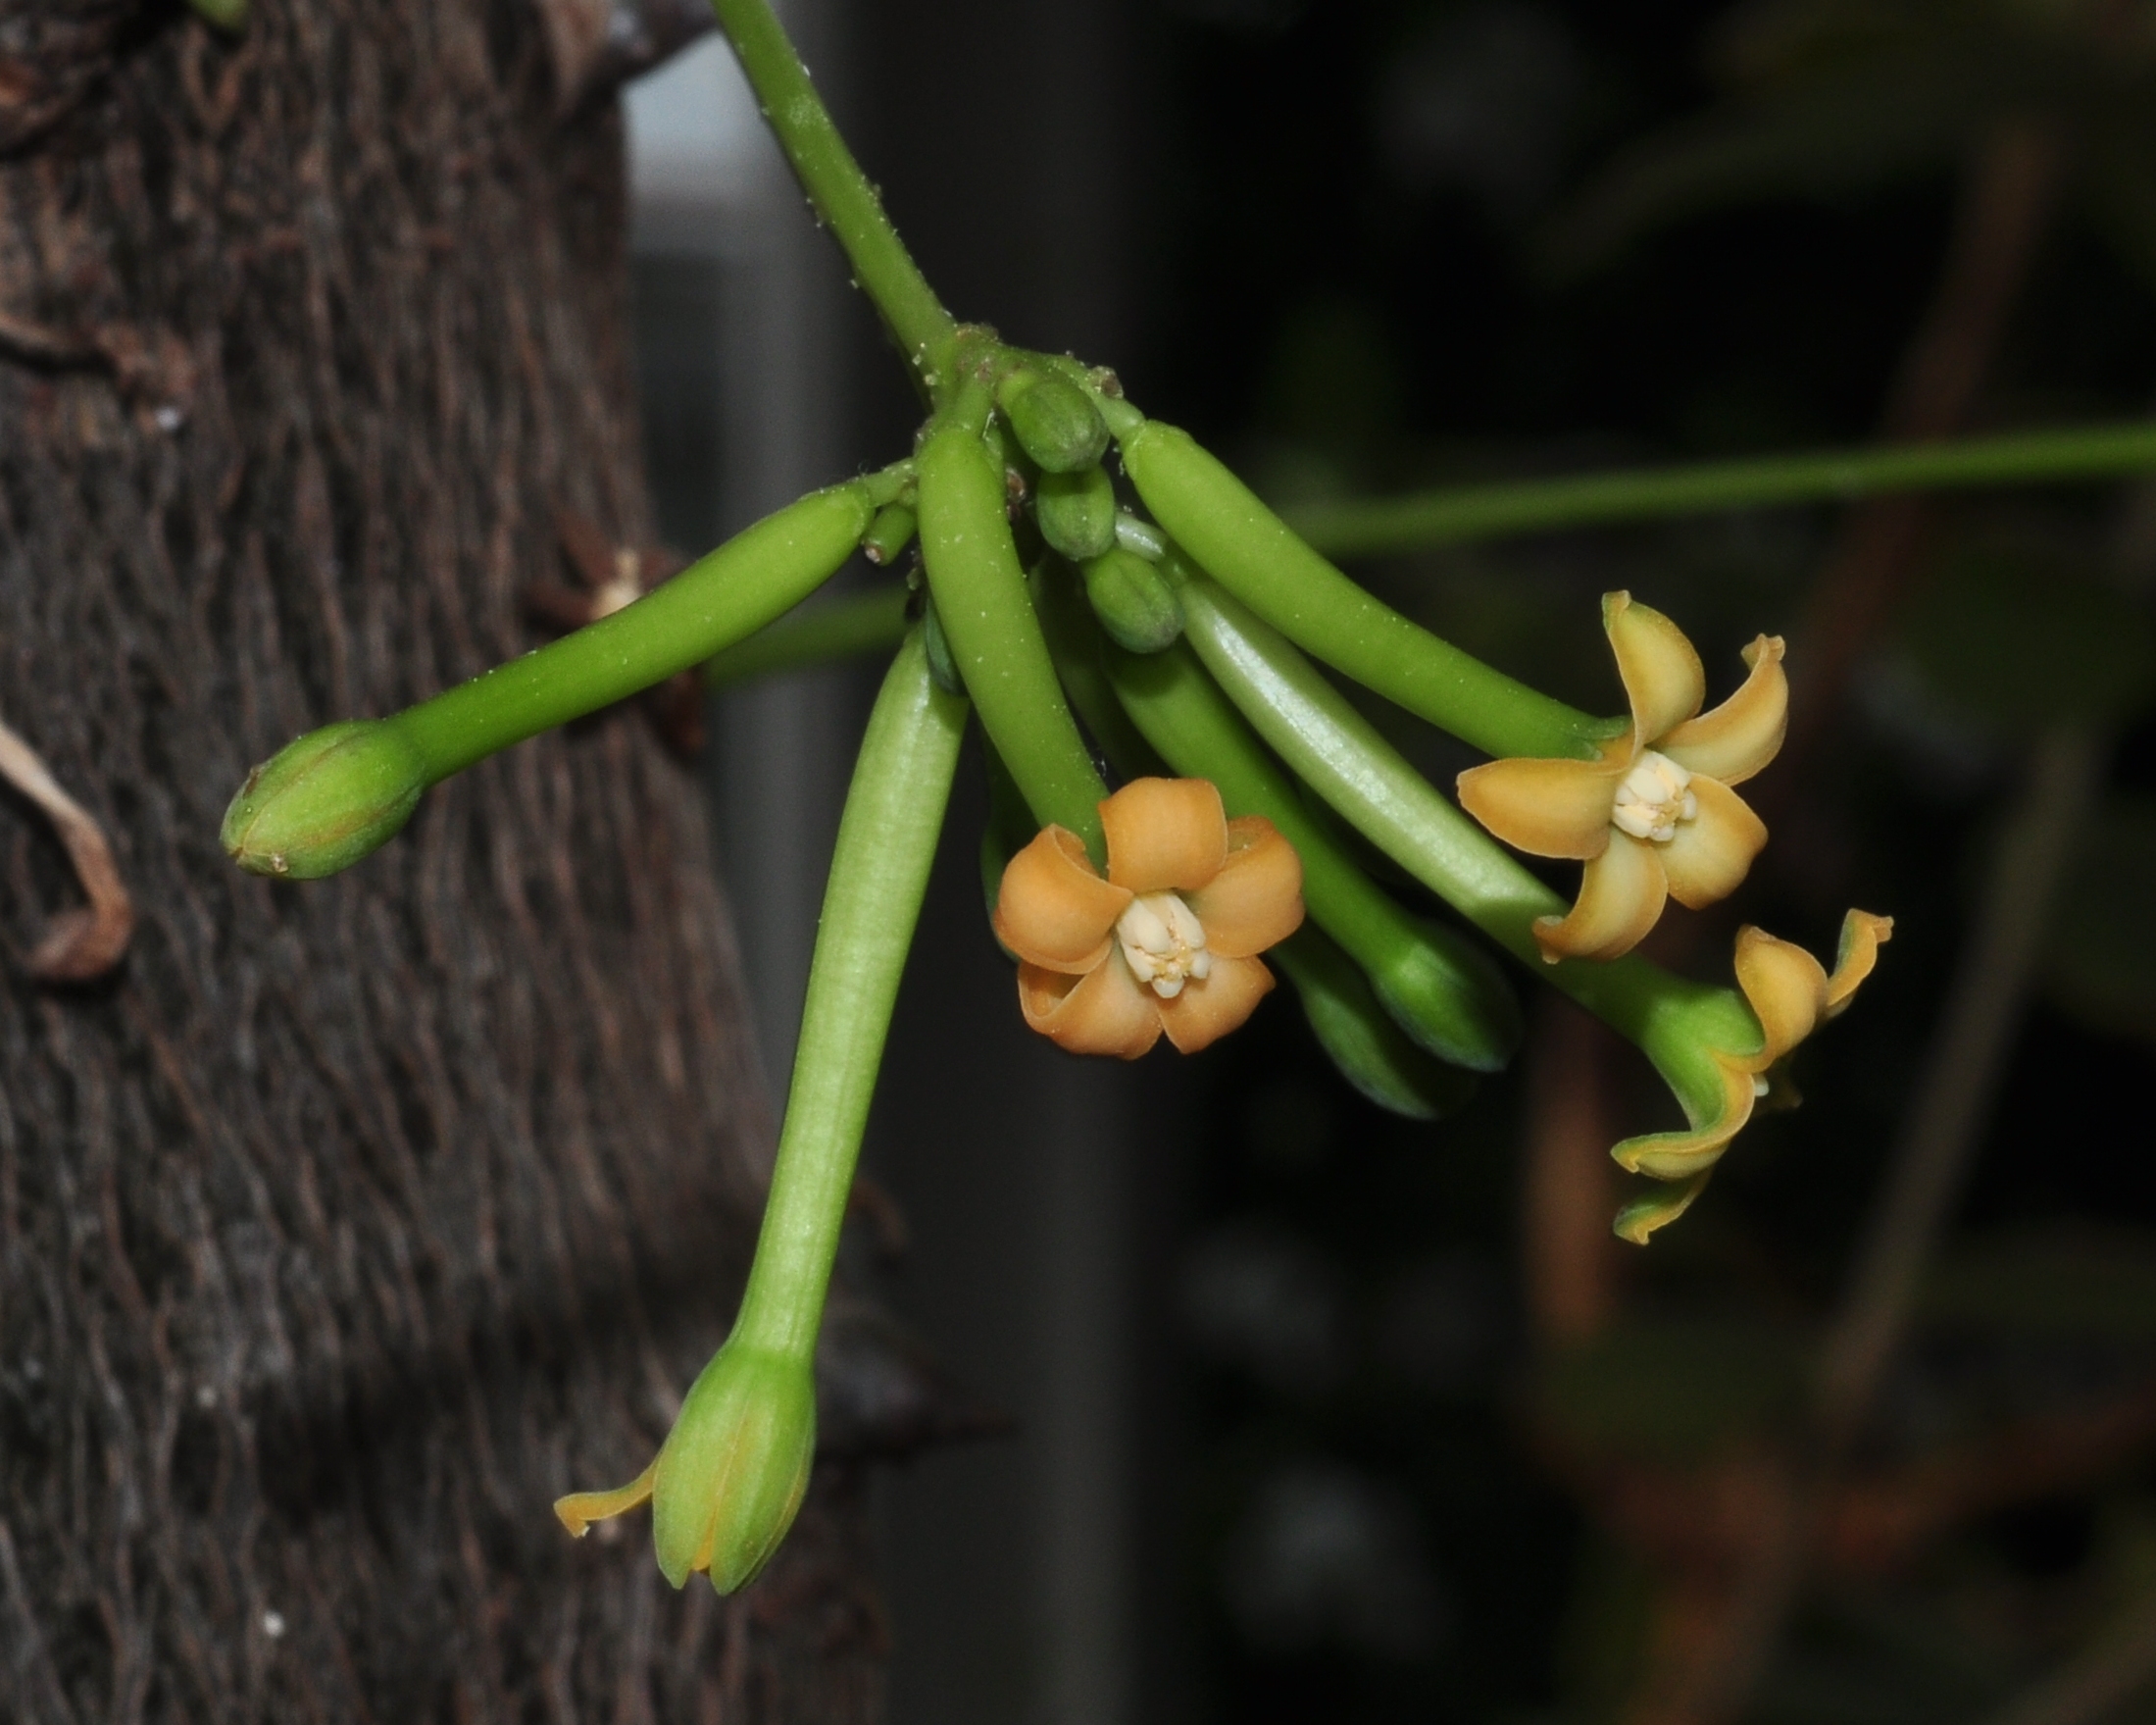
(886, 842)
(989, 619)
(845, 628)
(843, 196)
(754, 576)
(1457, 514)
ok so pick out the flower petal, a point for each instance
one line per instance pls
(1663, 677)
(1620, 895)
(1744, 732)
(1711, 852)
(1862, 936)
(1544, 807)
(579, 1509)
(1658, 1207)
(1256, 900)
(1103, 1012)
(1680, 1155)
(1165, 834)
(1203, 1012)
(1785, 988)
(1053, 909)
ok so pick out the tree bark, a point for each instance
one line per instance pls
(346, 1225)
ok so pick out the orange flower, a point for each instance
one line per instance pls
(1169, 941)
(1792, 995)
(1654, 818)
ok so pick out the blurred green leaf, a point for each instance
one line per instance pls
(2101, 964)
(1673, 1389)
(2020, 636)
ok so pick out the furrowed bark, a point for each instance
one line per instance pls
(347, 1226)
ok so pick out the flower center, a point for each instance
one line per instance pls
(1163, 942)
(1654, 796)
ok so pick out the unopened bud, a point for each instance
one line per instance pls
(1133, 601)
(1368, 1049)
(1447, 994)
(1076, 512)
(889, 534)
(734, 1468)
(324, 801)
(1054, 421)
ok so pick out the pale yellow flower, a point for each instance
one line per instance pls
(1790, 994)
(1655, 817)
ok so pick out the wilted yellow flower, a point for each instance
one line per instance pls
(1790, 994)
(1169, 941)
(1654, 818)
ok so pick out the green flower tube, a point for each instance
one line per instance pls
(994, 637)
(729, 1479)
(1438, 989)
(1259, 558)
(332, 797)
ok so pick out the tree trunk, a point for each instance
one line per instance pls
(346, 1225)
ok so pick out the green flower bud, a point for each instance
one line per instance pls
(1447, 994)
(734, 1468)
(1368, 1049)
(324, 801)
(1054, 421)
(1076, 512)
(1133, 601)
(889, 534)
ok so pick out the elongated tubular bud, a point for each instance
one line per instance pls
(886, 841)
(1437, 988)
(1074, 641)
(725, 595)
(988, 618)
(1360, 1037)
(1254, 554)
(1339, 754)
(1077, 513)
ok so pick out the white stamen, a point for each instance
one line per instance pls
(1163, 942)
(1654, 796)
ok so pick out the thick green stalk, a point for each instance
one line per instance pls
(886, 842)
(845, 628)
(1456, 514)
(1251, 551)
(843, 196)
(988, 618)
(754, 576)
